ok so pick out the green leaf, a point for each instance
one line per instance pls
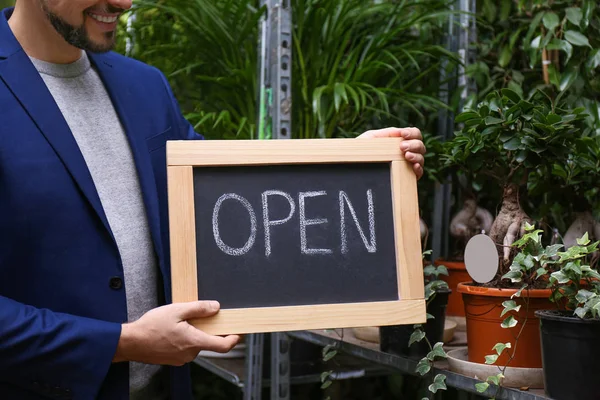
(553, 118)
(325, 375)
(484, 111)
(512, 95)
(574, 15)
(521, 156)
(552, 250)
(594, 60)
(429, 316)
(581, 312)
(529, 262)
(584, 295)
(551, 21)
(491, 359)
(416, 336)
(330, 355)
(495, 379)
(466, 116)
(509, 305)
(541, 272)
(560, 277)
(424, 366)
(493, 120)
(339, 94)
(500, 347)
(514, 276)
(429, 270)
(576, 38)
(439, 383)
(505, 56)
(567, 79)
(437, 351)
(559, 170)
(554, 75)
(509, 322)
(518, 293)
(512, 144)
(558, 44)
(482, 387)
(325, 385)
(584, 240)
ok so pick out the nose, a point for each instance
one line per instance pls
(122, 4)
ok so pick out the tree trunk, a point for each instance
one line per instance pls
(509, 225)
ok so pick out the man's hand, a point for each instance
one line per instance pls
(163, 335)
(412, 146)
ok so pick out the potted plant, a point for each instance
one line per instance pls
(506, 138)
(573, 331)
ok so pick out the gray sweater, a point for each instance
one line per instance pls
(89, 112)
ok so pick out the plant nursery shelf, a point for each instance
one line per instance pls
(233, 370)
(347, 343)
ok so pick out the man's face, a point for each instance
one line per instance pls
(87, 24)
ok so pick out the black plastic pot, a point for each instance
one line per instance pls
(394, 339)
(570, 355)
(305, 357)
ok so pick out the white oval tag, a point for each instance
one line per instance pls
(481, 258)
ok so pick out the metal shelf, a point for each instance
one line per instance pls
(347, 343)
(233, 370)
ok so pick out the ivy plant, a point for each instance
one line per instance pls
(563, 271)
(433, 283)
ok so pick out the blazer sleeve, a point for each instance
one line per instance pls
(54, 353)
(185, 130)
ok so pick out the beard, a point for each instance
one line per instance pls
(77, 36)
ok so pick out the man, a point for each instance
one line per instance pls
(84, 257)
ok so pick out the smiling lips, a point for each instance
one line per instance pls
(104, 18)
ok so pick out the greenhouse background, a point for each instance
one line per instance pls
(506, 94)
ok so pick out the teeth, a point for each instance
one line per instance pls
(101, 18)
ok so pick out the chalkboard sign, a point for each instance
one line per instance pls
(300, 234)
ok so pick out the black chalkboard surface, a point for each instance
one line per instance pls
(295, 235)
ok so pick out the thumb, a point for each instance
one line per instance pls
(198, 309)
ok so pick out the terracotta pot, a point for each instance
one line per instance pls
(457, 273)
(483, 307)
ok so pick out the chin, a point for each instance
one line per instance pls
(101, 45)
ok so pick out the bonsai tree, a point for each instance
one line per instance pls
(554, 46)
(507, 138)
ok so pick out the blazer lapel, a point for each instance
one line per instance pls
(125, 102)
(23, 80)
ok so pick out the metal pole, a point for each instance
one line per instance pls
(442, 196)
(280, 366)
(280, 63)
(254, 363)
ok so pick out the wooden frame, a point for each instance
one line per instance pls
(183, 156)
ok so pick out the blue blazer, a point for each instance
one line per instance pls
(60, 317)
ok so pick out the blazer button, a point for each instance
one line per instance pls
(115, 283)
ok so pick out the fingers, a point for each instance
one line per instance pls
(413, 146)
(418, 161)
(218, 344)
(405, 133)
(418, 170)
(197, 309)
